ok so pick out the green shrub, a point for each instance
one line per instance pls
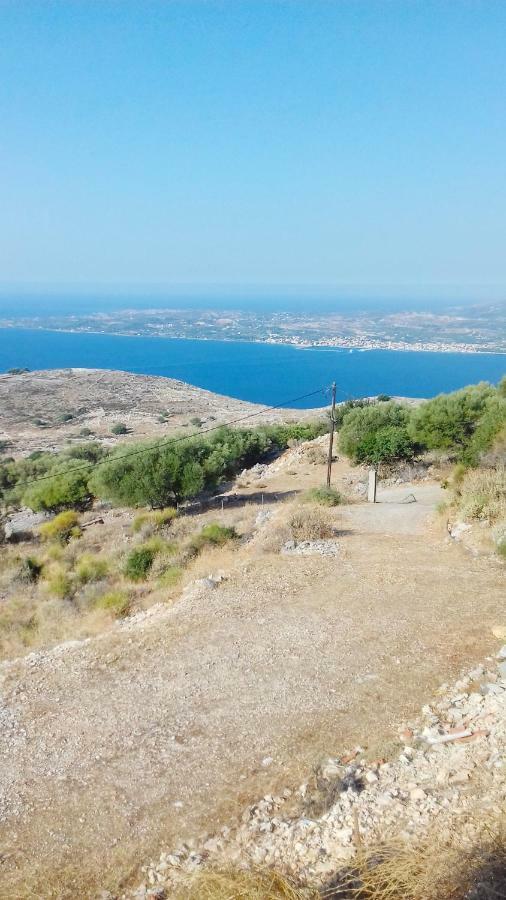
(59, 583)
(214, 535)
(376, 433)
(90, 452)
(85, 432)
(139, 562)
(119, 428)
(342, 409)
(488, 429)
(501, 548)
(115, 602)
(449, 421)
(65, 417)
(158, 518)
(163, 517)
(324, 496)
(66, 489)
(90, 568)
(62, 528)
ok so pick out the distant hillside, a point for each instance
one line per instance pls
(42, 410)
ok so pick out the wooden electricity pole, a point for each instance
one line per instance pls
(331, 435)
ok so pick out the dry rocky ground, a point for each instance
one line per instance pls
(161, 730)
(447, 778)
(221, 724)
(33, 405)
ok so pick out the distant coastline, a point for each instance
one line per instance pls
(254, 371)
(345, 344)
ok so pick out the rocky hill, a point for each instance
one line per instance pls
(44, 410)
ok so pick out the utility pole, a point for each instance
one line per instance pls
(331, 435)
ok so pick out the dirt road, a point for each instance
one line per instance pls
(161, 729)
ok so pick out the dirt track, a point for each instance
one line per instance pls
(157, 731)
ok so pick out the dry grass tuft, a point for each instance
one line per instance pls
(235, 884)
(311, 523)
(455, 868)
(482, 494)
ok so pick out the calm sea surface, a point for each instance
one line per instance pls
(262, 373)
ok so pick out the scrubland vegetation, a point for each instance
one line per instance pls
(65, 584)
(156, 473)
(466, 428)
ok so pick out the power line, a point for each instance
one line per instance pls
(183, 437)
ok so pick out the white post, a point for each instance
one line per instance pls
(371, 492)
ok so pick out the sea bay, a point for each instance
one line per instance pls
(261, 373)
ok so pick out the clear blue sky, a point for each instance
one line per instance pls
(340, 142)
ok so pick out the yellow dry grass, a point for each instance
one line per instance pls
(235, 884)
(457, 867)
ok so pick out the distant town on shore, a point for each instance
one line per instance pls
(471, 329)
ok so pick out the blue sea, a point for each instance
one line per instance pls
(262, 373)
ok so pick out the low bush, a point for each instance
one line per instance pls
(310, 524)
(115, 602)
(377, 433)
(62, 528)
(501, 548)
(323, 496)
(158, 518)
(119, 428)
(139, 562)
(214, 535)
(59, 584)
(66, 489)
(450, 420)
(91, 568)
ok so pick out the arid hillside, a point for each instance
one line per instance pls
(173, 676)
(44, 410)
(314, 631)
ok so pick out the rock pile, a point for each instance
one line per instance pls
(450, 762)
(310, 548)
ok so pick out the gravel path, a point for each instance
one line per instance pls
(161, 729)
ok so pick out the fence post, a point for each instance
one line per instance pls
(371, 491)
